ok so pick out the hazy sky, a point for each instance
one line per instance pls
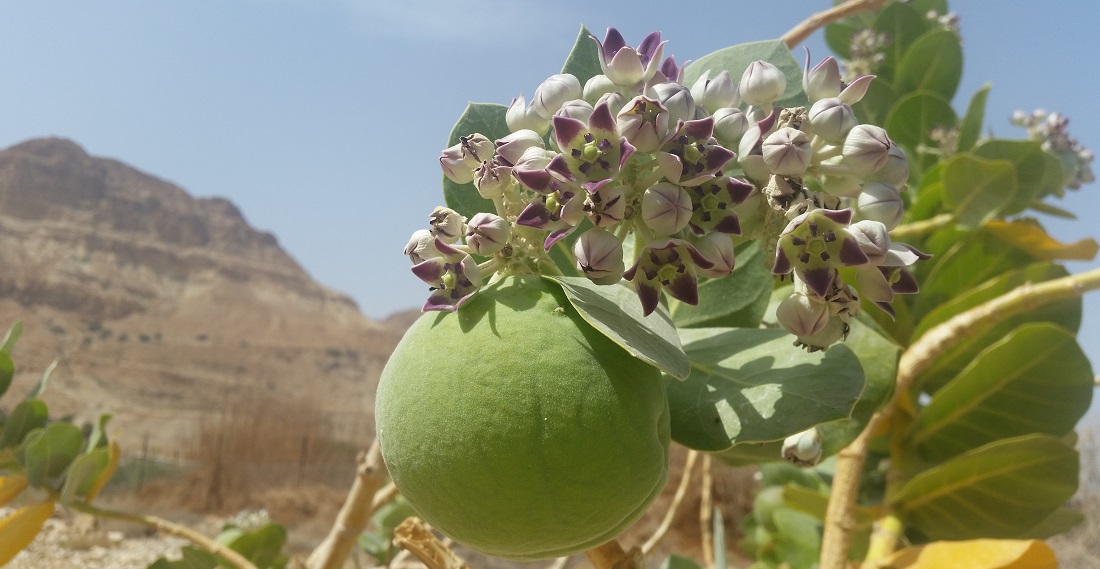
(323, 119)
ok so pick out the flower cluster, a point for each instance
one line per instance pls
(645, 178)
(1052, 130)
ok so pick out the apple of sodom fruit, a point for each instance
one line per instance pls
(519, 430)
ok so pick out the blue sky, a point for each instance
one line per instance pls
(323, 119)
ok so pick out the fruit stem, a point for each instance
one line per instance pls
(355, 513)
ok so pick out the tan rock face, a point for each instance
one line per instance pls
(163, 308)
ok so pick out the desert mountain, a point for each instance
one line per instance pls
(167, 310)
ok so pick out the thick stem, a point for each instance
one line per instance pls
(799, 33)
(839, 516)
(354, 515)
(921, 228)
(681, 490)
(166, 527)
(706, 513)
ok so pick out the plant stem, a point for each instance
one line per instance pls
(612, 556)
(706, 514)
(839, 516)
(414, 536)
(166, 527)
(681, 490)
(799, 33)
(921, 228)
(355, 513)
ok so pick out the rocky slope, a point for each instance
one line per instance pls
(165, 309)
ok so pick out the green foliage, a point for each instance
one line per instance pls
(582, 62)
(378, 540)
(736, 301)
(736, 60)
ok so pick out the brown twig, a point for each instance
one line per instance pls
(354, 515)
(840, 514)
(706, 514)
(414, 536)
(611, 555)
(799, 33)
(681, 490)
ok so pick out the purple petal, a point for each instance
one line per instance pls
(567, 130)
(429, 271)
(739, 191)
(698, 258)
(717, 156)
(649, 46)
(782, 265)
(701, 129)
(601, 119)
(818, 280)
(649, 295)
(856, 89)
(684, 288)
(593, 187)
(629, 274)
(840, 216)
(889, 310)
(906, 284)
(559, 169)
(669, 69)
(851, 254)
(555, 236)
(729, 224)
(612, 42)
(437, 302)
(447, 250)
(536, 215)
(537, 180)
(625, 150)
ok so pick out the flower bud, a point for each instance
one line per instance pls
(605, 206)
(597, 86)
(519, 116)
(666, 208)
(599, 256)
(492, 178)
(613, 100)
(644, 123)
(530, 169)
(832, 120)
(880, 202)
(787, 152)
(447, 224)
(677, 100)
(715, 93)
(512, 147)
(554, 92)
(801, 315)
(834, 331)
(823, 81)
(718, 249)
(873, 239)
(803, 449)
(762, 84)
(842, 186)
(730, 125)
(896, 170)
(866, 149)
(487, 234)
(576, 109)
(460, 161)
(421, 246)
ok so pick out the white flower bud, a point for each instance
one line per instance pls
(554, 92)
(512, 147)
(823, 81)
(644, 123)
(730, 125)
(492, 178)
(873, 239)
(866, 149)
(880, 202)
(519, 116)
(801, 315)
(460, 161)
(666, 208)
(677, 100)
(787, 152)
(599, 256)
(576, 109)
(486, 234)
(762, 84)
(803, 449)
(596, 87)
(447, 224)
(421, 246)
(718, 249)
(715, 93)
(832, 120)
(896, 169)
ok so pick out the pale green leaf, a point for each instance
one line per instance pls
(970, 128)
(616, 312)
(28, 415)
(582, 62)
(48, 455)
(977, 190)
(933, 63)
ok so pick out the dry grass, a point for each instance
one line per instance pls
(1080, 548)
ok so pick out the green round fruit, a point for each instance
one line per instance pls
(519, 430)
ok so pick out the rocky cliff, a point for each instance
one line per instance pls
(163, 308)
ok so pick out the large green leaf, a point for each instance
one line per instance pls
(484, 118)
(11, 337)
(876, 103)
(616, 312)
(262, 546)
(1035, 380)
(582, 62)
(191, 557)
(736, 60)
(84, 473)
(754, 385)
(902, 25)
(968, 258)
(1031, 166)
(28, 415)
(735, 301)
(47, 455)
(7, 371)
(998, 490)
(1061, 521)
(838, 37)
(970, 128)
(912, 120)
(977, 190)
(933, 63)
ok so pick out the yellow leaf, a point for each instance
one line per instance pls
(11, 486)
(18, 530)
(1030, 238)
(113, 453)
(975, 554)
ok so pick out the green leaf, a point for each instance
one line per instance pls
(736, 301)
(977, 190)
(83, 473)
(98, 437)
(876, 103)
(48, 455)
(28, 415)
(912, 119)
(838, 37)
(815, 502)
(902, 26)
(261, 546)
(11, 337)
(1031, 166)
(677, 562)
(7, 371)
(1061, 521)
(40, 386)
(934, 62)
(582, 62)
(192, 558)
(798, 540)
(736, 60)
(745, 454)
(754, 385)
(926, 6)
(998, 490)
(968, 258)
(1035, 380)
(1053, 210)
(484, 118)
(615, 311)
(970, 128)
